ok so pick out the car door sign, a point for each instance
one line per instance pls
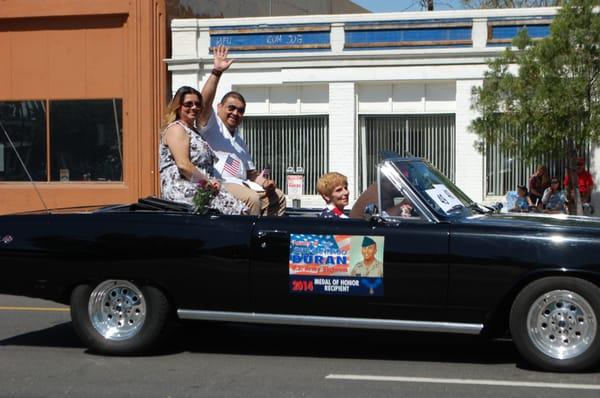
(347, 265)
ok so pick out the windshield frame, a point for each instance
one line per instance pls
(392, 169)
(391, 173)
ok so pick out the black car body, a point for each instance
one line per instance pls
(449, 265)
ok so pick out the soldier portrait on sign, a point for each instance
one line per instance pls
(370, 262)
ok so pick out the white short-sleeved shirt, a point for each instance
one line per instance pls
(234, 160)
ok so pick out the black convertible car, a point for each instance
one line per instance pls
(422, 256)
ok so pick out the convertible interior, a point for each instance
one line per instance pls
(152, 203)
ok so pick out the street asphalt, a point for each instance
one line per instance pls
(40, 356)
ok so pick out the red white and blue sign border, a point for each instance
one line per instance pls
(323, 265)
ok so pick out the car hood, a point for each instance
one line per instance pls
(535, 221)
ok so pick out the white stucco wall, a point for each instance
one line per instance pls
(345, 83)
(469, 176)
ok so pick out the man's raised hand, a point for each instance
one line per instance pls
(221, 62)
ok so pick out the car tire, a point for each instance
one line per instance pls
(554, 324)
(118, 317)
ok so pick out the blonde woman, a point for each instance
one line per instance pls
(538, 182)
(185, 159)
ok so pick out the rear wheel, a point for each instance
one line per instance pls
(118, 316)
(554, 323)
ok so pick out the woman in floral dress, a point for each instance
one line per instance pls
(186, 159)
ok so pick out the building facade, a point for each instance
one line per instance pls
(82, 88)
(329, 93)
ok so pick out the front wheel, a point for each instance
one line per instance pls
(118, 316)
(554, 323)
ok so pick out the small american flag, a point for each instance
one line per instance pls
(232, 165)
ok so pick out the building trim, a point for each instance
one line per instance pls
(374, 17)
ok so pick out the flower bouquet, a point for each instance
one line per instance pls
(205, 193)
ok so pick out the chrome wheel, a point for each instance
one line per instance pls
(117, 309)
(561, 324)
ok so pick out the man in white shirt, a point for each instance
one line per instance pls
(235, 166)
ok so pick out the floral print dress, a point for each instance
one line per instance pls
(175, 187)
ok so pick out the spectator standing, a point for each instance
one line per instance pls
(538, 183)
(584, 181)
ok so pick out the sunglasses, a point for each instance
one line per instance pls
(189, 104)
(232, 108)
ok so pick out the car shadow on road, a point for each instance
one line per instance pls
(232, 338)
(60, 335)
(304, 341)
(272, 340)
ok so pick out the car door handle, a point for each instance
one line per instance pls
(272, 233)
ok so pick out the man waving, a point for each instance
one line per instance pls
(235, 166)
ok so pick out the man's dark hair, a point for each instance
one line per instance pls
(235, 95)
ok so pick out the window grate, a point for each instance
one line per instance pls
(289, 141)
(429, 136)
(506, 169)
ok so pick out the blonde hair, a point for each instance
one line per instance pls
(544, 178)
(329, 181)
(172, 113)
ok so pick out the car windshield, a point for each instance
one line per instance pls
(431, 186)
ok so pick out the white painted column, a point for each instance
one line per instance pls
(469, 162)
(185, 75)
(203, 48)
(479, 32)
(342, 132)
(225, 86)
(338, 37)
(184, 36)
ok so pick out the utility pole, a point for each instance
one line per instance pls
(426, 4)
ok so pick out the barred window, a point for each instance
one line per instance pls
(504, 170)
(289, 141)
(432, 137)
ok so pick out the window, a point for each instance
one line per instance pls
(25, 124)
(289, 141)
(86, 140)
(82, 140)
(432, 137)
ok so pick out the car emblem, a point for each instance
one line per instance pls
(6, 239)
